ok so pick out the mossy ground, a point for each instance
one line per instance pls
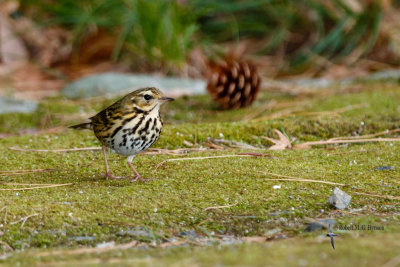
(369, 249)
(92, 210)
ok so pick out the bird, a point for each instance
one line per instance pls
(331, 235)
(129, 126)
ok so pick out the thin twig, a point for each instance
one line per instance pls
(255, 154)
(214, 146)
(280, 175)
(89, 250)
(279, 114)
(22, 172)
(366, 136)
(351, 151)
(55, 150)
(35, 170)
(380, 196)
(196, 158)
(24, 219)
(179, 151)
(150, 151)
(31, 188)
(23, 184)
(306, 181)
(220, 207)
(204, 221)
(329, 142)
(298, 179)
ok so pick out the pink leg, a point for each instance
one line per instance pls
(138, 176)
(108, 173)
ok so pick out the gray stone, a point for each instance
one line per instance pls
(384, 75)
(318, 83)
(319, 224)
(11, 105)
(188, 234)
(339, 199)
(117, 84)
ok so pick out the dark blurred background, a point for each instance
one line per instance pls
(47, 43)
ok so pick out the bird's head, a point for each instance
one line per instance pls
(147, 99)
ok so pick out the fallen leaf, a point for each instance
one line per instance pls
(279, 144)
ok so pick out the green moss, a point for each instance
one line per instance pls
(311, 250)
(176, 201)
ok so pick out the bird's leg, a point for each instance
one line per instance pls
(105, 161)
(108, 173)
(138, 176)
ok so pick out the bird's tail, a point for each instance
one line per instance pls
(82, 126)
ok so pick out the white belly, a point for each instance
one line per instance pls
(132, 139)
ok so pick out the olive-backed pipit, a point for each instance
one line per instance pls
(129, 126)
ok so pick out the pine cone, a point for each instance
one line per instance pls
(234, 84)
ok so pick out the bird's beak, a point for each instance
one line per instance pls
(166, 99)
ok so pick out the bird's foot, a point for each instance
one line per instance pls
(140, 178)
(109, 175)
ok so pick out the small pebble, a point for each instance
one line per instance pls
(384, 168)
(339, 199)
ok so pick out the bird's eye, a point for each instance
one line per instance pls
(147, 97)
